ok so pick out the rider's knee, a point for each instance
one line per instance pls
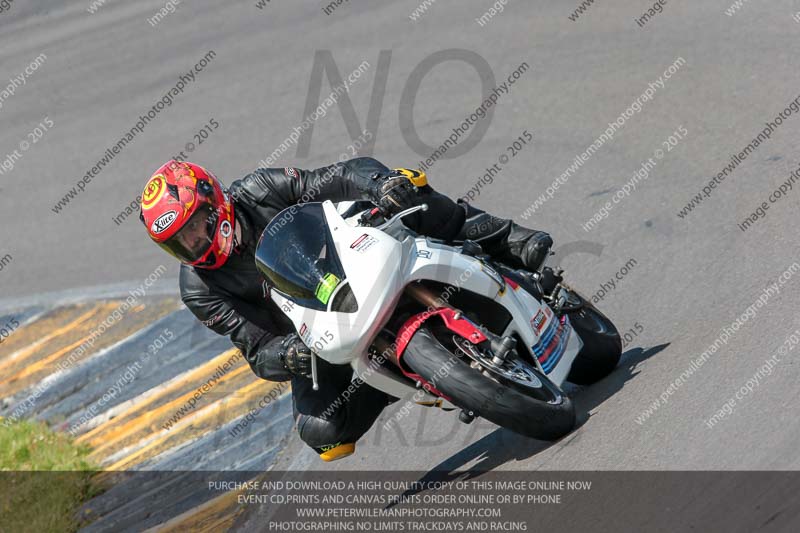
(325, 437)
(319, 432)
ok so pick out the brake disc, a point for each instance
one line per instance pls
(511, 369)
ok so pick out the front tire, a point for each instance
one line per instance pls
(499, 403)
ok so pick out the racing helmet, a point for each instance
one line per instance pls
(188, 213)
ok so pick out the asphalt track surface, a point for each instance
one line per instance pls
(693, 276)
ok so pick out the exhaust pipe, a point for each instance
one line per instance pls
(426, 297)
(423, 296)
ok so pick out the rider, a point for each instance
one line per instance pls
(214, 233)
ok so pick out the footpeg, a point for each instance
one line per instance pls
(466, 416)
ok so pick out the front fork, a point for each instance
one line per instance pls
(314, 380)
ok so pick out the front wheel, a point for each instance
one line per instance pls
(530, 405)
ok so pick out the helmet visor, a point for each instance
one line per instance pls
(196, 236)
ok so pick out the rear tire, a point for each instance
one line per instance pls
(602, 346)
(501, 404)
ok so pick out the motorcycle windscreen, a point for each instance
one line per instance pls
(297, 256)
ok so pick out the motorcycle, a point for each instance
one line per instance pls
(415, 316)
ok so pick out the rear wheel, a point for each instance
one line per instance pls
(517, 397)
(602, 346)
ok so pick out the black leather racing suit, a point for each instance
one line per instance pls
(234, 300)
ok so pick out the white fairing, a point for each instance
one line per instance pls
(378, 267)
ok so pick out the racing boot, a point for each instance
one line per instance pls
(505, 240)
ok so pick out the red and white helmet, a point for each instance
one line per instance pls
(187, 212)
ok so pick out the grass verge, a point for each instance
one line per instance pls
(44, 476)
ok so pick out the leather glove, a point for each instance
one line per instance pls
(296, 356)
(393, 192)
